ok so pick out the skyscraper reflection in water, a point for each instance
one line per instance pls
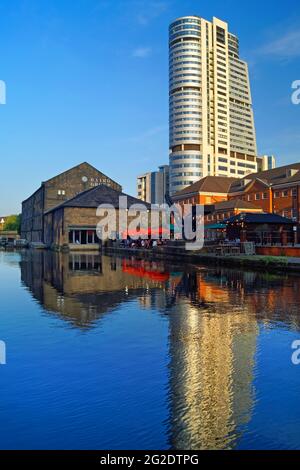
(214, 317)
(212, 352)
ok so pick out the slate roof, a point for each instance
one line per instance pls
(234, 204)
(216, 184)
(224, 184)
(277, 174)
(272, 177)
(265, 218)
(94, 197)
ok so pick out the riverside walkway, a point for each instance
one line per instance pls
(268, 263)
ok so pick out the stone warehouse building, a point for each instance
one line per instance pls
(56, 191)
(72, 225)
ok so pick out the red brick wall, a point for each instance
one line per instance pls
(284, 202)
(258, 194)
(203, 199)
(278, 251)
(218, 216)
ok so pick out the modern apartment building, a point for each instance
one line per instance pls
(211, 117)
(152, 187)
(266, 162)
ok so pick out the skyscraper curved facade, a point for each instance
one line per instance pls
(211, 117)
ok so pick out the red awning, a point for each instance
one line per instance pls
(148, 233)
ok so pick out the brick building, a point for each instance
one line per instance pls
(54, 192)
(207, 191)
(273, 191)
(262, 229)
(226, 209)
(72, 224)
(276, 191)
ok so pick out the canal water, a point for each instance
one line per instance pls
(112, 353)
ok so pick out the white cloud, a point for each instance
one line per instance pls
(141, 52)
(150, 10)
(284, 47)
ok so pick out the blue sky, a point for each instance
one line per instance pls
(87, 80)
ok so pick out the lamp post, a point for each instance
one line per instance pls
(295, 230)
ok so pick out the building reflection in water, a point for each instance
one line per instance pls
(214, 327)
(211, 368)
(214, 317)
(83, 287)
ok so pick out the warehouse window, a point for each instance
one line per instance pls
(83, 237)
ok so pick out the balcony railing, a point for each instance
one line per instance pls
(271, 238)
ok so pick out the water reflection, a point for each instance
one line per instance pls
(82, 287)
(212, 359)
(213, 341)
(214, 318)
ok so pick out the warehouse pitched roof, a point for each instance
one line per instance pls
(100, 195)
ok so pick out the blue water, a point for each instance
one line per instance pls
(105, 353)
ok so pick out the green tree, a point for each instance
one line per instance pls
(13, 223)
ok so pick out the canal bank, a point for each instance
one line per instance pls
(255, 262)
(271, 263)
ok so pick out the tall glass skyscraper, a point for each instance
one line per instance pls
(211, 117)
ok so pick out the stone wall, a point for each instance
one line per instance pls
(56, 191)
(72, 182)
(32, 217)
(53, 228)
(58, 223)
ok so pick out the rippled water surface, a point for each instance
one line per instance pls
(111, 353)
